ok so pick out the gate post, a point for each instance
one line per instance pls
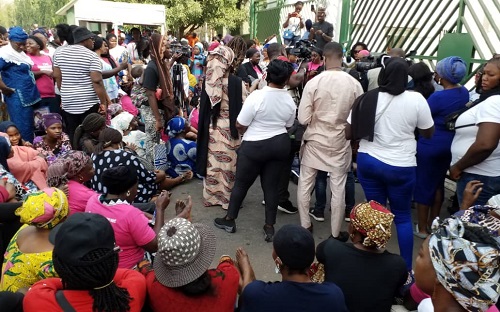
(345, 22)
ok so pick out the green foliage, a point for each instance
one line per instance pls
(187, 15)
(6, 14)
(41, 12)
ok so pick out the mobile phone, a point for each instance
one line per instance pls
(312, 7)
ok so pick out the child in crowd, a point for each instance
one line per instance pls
(138, 93)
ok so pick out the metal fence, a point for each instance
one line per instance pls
(410, 24)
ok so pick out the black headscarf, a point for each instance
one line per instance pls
(393, 77)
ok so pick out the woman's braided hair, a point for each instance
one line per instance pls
(101, 268)
(239, 47)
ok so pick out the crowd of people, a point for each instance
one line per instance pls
(104, 126)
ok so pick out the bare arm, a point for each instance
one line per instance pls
(161, 204)
(56, 73)
(96, 78)
(5, 89)
(241, 129)
(486, 142)
(426, 133)
(287, 22)
(113, 72)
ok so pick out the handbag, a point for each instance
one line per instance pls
(289, 34)
(451, 119)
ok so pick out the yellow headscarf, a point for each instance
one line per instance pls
(44, 209)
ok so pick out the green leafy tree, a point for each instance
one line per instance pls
(188, 15)
(41, 12)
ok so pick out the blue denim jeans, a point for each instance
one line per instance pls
(320, 191)
(380, 182)
(491, 187)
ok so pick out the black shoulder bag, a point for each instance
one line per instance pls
(451, 119)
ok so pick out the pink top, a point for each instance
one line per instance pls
(26, 165)
(78, 196)
(130, 226)
(313, 66)
(194, 118)
(44, 83)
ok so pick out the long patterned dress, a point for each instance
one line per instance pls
(221, 165)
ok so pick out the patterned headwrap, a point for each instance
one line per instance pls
(374, 222)
(51, 118)
(468, 270)
(219, 61)
(481, 215)
(66, 167)
(114, 108)
(44, 209)
(175, 126)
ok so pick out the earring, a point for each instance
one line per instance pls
(81, 179)
(277, 269)
(128, 193)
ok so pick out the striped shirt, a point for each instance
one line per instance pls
(76, 62)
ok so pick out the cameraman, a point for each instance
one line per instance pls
(372, 74)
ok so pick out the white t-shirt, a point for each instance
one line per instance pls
(294, 25)
(394, 140)
(487, 111)
(267, 113)
(426, 305)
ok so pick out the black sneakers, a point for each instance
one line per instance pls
(343, 236)
(227, 225)
(317, 215)
(287, 207)
(268, 233)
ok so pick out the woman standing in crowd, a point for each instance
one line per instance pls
(356, 48)
(108, 64)
(18, 82)
(28, 257)
(293, 254)
(383, 273)
(118, 53)
(433, 155)
(86, 258)
(458, 265)
(421, 81)
(251, 71)
(265, 145)
(387, 120)
(181, 279)
(198, 63)
(55, 142)
(10, 128)
(132, 231)
(218, 138)
(475, 150)
(71, 171)
(314, 65)
(87, 134)
(42, 69)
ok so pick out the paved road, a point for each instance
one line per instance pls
(249, 232)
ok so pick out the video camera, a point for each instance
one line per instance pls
(375, 60)
(302, 49)
(184, 50)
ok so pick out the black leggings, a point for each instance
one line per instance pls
(265, 158)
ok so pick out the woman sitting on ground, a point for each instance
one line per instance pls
(132, 231)
(28, 257)
(127, 125)
(28, 167)
(384, 273)
(293, 254)
(181, 153)
(109, 153)
(10, 128)
(458, 265)
(181, 279)
(72, 170)
(86, 259)
(87, 134)
(55, 142)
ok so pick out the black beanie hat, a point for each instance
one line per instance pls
(118, 180)
(294, 245)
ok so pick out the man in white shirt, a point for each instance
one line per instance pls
(324, 147)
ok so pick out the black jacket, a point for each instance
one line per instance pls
(246, 70)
